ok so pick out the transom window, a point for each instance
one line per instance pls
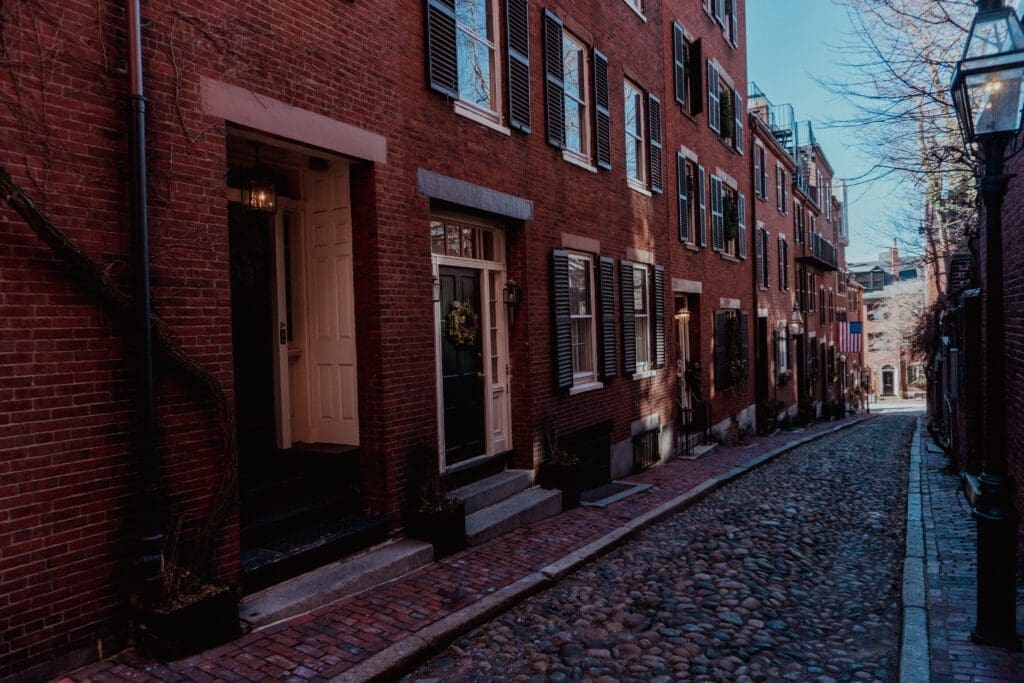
(636, 166)
(474, 40)
(577, 97)
(455, 238)
(581, 312)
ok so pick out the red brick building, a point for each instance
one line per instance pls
(502, 227)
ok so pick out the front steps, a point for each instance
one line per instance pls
(337, 580)
(503, 502)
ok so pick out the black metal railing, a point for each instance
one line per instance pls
(820, 252)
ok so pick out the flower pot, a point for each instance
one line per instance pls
(445, 530)
(189, 625)
(565, 478)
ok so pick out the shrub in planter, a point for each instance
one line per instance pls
(433, 515)
(183, 625)
(560, 470)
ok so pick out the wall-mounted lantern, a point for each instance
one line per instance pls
(259, 191)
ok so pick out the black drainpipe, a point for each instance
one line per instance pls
(151, 541)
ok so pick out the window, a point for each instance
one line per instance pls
(761, 173)
(581, 313)
(798, 222)
(577, 97)
(727, 103)
(463, 63)
(637, 5)
(714, 99)
(583, 316)
(642, 317)
(728, 209)
(762, 246)
(686, 60)
(642, 297)
(783, 263)
(780, 179)
(454, 238)
(732, 348)
(731, 23)
(636, 172)
(689, 205)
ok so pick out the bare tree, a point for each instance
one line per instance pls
(895, 318)
(900, 56)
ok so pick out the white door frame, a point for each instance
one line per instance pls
(497, 389)
(281, 359)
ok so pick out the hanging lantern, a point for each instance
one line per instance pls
(259, 191)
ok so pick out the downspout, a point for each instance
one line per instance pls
(151, 540)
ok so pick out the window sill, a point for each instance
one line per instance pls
(478, 116)
(644, 374)
(691, 246)
(577, 160)
(583, 388)
(636, 11)
(728, 257)
(637, 186)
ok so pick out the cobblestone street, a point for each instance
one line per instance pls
(791, 572)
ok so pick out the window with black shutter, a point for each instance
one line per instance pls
(518, 37)
(554, 88)
(609, 365)
(717, 215)
(561, 319)
(442, 54)
(714, 99)
(740, 113)
(679, 64)
(683, 181)
(659, 316)
(657, 166)
(628, 318)
(702, 193)
(694, 71)
(602, 117)
(759, 256)
(757, 170)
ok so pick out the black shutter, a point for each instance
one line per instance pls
(745, 340)
(679, 63)
(740, 112)
(518, 37)
(759, 255)
(703, 193)
(602, 117)
(609, 367)
(655, 156)
(554, 88)
(561, 329)
(682, 184)
(696, 78)
(442, 58)
(628, 318)
(659, 316)
(721, 350)
(757, 172)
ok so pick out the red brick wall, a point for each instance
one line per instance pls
(68, 497)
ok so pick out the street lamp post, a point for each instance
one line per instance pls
(988, 96)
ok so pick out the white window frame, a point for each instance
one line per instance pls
(637, 6)
(632, 137)
(486, 115)
(585, 377)
(584, 154)
(643, 321)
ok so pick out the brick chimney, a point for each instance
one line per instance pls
(895, 255)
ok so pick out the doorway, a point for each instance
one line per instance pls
(761, 381)
(888, 381)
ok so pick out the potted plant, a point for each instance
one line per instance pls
(189, 616)
(435, 516)
(560, 470)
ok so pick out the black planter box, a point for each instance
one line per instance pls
(565, 478)
(171, 634)
(446, 531)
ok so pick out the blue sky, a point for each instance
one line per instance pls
(788, 45)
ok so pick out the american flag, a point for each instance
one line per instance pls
(850, 335)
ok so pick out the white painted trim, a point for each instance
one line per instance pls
(480, 116)
(577, 160)
(644, 374)
(727, 179)
(637, 186)
(583, 388)
(729, 304)
(688, 153)
(636, 11)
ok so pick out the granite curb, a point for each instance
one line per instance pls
(390, 663)
(914, 663)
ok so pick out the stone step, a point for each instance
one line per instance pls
(327, 584)
(493, 489)
(519, 510)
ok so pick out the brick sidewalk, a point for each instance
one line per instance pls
(951, 580)
(328, 641)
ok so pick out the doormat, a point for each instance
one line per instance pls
(603, 496)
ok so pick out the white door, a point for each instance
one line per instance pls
(333, 403)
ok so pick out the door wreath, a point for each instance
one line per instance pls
(463, 324)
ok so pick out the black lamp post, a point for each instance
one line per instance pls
(988, 96)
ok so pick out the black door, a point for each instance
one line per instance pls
(761, 380)
(462, 366)
(801, 365)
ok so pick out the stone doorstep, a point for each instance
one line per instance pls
(326, 584)
(492, 490)
(699, 451)
(523, 508)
